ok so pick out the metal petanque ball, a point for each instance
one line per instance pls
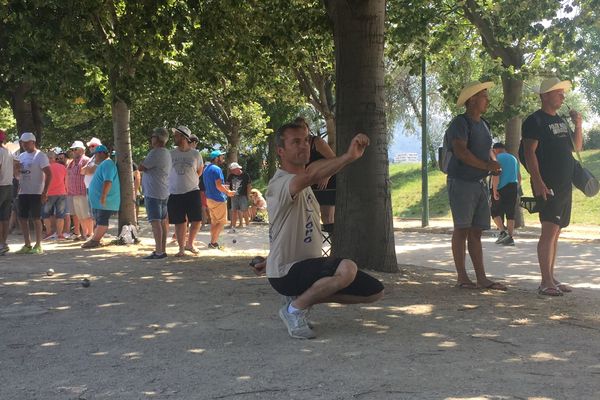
(50, 272)
(85, 282)
(234, 241)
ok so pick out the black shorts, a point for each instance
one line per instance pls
(507, 203)
(181, 205)
(30, 206)
(5, 202)
(305, 273)
(557, 208)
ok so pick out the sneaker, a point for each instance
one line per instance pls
(214, 246)
(501, 237)
(288, 299)
(91, 244)
(51, 237)
(24, 250)
(508, 241)
(296, 323)
(4, 249)
(37, 249)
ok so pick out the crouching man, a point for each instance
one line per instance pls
(295, 267)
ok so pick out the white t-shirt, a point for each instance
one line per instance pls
(294, 225)
(87, 179)
(6, 167)
(183, 177)
(32, 174)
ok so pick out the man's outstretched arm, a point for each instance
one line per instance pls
(326, 167)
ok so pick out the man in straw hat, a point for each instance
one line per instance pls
(548, 154)
(471, 143)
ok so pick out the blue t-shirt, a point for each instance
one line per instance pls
(106, 171)
(210, 176)
(510, 169)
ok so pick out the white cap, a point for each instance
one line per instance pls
(78, 144)
(235, 165)
(28, 137)
(95, 141)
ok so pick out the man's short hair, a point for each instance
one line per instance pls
(279, 134)
(161, 134)
(498, 145)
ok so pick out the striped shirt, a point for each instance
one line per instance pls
(75, 185)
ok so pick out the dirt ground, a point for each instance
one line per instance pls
(205, 327)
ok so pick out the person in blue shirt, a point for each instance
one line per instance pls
(104, 195)
(216, 196)
(505, 188)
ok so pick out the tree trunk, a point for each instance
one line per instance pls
(513, 92)
(271, 160)
(120, 116)
(233, 142)
(38, 125)
(363, 218)
(22, 110)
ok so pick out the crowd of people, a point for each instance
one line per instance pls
(72, 195)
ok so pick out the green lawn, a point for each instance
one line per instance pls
(406, 193)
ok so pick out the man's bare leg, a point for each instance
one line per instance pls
(546, 250)
(459, 253)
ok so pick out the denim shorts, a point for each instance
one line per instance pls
(55, 206)
(102, 216)
(156, 209)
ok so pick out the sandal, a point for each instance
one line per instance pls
(180, 254)
(496, 286)
(192, 250)
(563, 287)
(466, 285)
(549, 291)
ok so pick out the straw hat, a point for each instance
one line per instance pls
(471, 89)
(553, 83)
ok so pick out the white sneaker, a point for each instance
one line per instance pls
(296, 323)
(51, 237)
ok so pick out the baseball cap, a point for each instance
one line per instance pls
(78, 144)
(94, 141)
(235, 165)
(215, 153)
(161, 133)
(28, 137)
(101, 149)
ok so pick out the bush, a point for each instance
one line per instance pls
(591, 138)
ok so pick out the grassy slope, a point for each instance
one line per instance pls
(406, 193)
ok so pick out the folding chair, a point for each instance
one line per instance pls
(327, 232)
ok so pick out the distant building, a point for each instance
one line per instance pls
(406, 158)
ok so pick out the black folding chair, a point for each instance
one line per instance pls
(327, 231)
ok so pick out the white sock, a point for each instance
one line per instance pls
(292, 309)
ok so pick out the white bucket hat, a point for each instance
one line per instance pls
(553, 83)
(183, 130)
(95, 141)
(471, 89)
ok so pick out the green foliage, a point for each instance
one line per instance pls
(592, 138)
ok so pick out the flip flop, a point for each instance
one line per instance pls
(496, 286)
(466, 285)
(192, 250)
(549, 291)
(180, 254)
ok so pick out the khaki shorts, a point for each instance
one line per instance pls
(217, 211)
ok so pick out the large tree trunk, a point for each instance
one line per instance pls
(120, 116)
(513, 92)
(363, 221)
(24, 113)
(233, 144)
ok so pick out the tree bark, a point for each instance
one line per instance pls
(363, 221)
(23, 111)
(122, 138)
(233, 142)
(513, 93)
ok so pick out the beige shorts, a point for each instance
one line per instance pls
(81, 207)
(217, 211)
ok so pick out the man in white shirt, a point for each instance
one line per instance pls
(34, 169)
(295, 267)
